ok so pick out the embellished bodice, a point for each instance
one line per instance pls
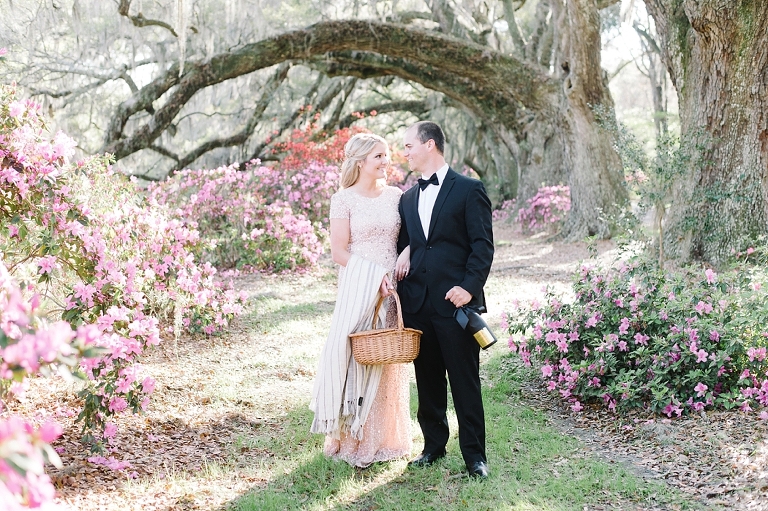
(374, 223)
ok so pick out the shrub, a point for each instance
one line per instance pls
(640, 337)
(270, 218)
(252, 218)
(99, 257)
(29, 346)
(546, 210)
(504, 211)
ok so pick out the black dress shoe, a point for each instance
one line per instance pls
(425, 459)
(478, 469)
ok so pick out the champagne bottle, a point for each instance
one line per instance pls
(471, 321)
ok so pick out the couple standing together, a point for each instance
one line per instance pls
(435, 243)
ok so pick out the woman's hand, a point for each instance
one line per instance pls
(386, 287)
(403, 265)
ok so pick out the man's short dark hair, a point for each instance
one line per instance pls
(426, 130)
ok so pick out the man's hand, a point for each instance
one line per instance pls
(458, 296)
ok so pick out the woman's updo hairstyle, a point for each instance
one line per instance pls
(356, 151)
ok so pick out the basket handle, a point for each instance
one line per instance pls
(400, 325)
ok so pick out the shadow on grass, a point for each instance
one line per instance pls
(272, 311)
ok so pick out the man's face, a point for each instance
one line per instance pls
(415, 152)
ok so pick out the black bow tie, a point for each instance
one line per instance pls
(423, 183)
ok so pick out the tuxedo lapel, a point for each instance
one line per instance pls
(412, 212)
(445, 189)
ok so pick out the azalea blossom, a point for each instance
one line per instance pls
(46, 264)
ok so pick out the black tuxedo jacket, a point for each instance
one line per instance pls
(458, 250)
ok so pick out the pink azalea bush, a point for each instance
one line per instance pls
(100, 257)
(672, 342)
(270, 218)
(262, 217)
(29, 345)
(546, 210)
(25, 450)
(504, 211)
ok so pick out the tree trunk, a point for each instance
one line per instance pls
(716, 53)
(596, 179)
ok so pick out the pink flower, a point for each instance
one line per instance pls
(50, 431)
(16, 109)
(703, 308)
(672, 408)
(701, 356)
(84, 292)
(764, 415)
(46, 264)
(148, 385)
(123, 385)
(641, 339)
(711, 276)
(624, 326)
(623, 346)
(700, 389)
(756, 353)
(117, 404)
(110, 430)
(63, 146)
(576, 407)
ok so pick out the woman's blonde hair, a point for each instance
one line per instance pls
(356, 151)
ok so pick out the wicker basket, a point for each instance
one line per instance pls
(386, 345)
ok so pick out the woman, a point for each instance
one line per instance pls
(362, 410)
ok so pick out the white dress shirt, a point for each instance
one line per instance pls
(427, 198)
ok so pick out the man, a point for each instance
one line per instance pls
(446, 221)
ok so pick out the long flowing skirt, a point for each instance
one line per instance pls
(387, 432)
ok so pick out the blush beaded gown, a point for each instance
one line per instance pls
(374, 224)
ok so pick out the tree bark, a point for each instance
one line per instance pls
(716, 53)
(596, 179)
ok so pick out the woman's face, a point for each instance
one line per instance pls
(376, 163)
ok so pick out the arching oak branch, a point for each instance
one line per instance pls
(473, 73)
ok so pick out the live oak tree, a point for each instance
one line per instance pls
(716, 53)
